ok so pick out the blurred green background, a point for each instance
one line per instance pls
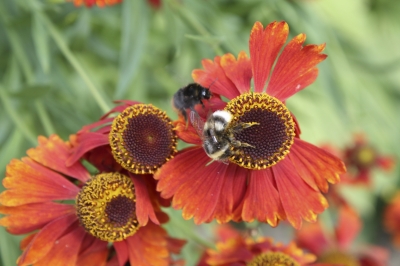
(61, 67)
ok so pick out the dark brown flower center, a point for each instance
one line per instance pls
(273, 259)
(142, 139)
(106, 207)
(363, 157)
(339, 258)
(271, 139)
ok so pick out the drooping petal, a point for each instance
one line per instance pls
(144, 208)
(196, 187)
(299, 200)
(65, 249)
(148, 246)
(213, 77)
(28, 182)
(53, 153)
(93, 255)
(26, 218)
(315, 165)
(262, 200)
(187, 132)
(264, 45)
(121, 248)
(238, 71)
(234, 189)
(295, 68)
(89, 140)
(42, 242)
(348, 227)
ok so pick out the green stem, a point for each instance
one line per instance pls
(15, 117)
(74, 62)
(44, 118)
(189, 18)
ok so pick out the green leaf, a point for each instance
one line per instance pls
(41, 43)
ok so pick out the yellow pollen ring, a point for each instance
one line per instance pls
(338, 258)
(106, 207)
(273, 259)
(271, 136)
(142, 139)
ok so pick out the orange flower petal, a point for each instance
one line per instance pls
(315, 165)
(239, 72)
(213, 77)
(234, 189)
(348, 227)
(91, 140)
(295, 68)
(298, 199)
(186, 131)
(262, 200)
(65, 249)
(95, 254)
(53, 153)
(148, 246)
(264, 45)
(26, 218)
(121, 248)
(28, 182)
(144, 208)
(175, 245)
(43, 241)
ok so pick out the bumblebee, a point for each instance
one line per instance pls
(189, 96)
(218, 134)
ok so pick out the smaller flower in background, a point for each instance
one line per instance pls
(235, 249)
(99, 3)
(337, 248)
(391, 218)
(114, 207)
(362, 158)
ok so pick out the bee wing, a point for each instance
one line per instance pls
(197, 123)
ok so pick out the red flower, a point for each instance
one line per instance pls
(99, 3)
(391, 218)
(235, 249)
(110, 208)
(280, 176)
(338, 248)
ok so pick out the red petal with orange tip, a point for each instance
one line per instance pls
(26, 218)
(295, 68)
(121, 248)
(43, 241)
(262, 200)
(144, 208)
(213, 76)
(186, 132)
(53, 153)
(238, 71)
(148, 246)
(29, 182)
(175, 245)
(264, 45)
(299, 200)
(348, 227)
(315, 165)
(65, 249)
(91, 140)
(234, 189)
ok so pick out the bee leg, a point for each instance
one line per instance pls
(237, 143)
(240, 126)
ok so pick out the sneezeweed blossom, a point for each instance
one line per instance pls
(362, 158)
(338, 247)
(73, 216)
(391, 218)
(99, 3)
(280, 177)
(235, 249)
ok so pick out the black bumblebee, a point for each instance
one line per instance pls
(189, 96)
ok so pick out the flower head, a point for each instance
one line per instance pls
(99, 3)
(338, 248)
(235, 249)
(271, 174)
(110, 207)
